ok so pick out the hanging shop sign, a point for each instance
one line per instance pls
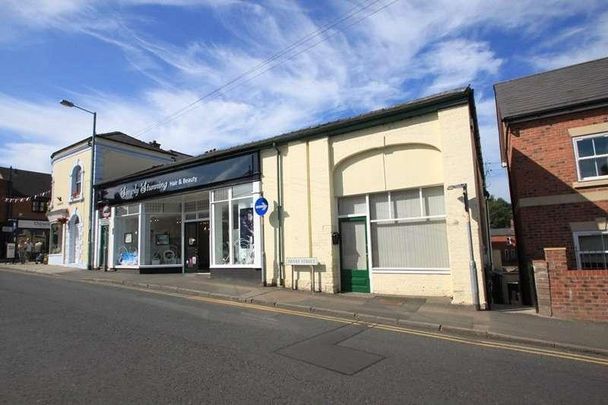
(202, 175)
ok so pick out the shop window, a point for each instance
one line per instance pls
(379, 207)
(242, 190)
(592, 156)
(406, 203)
(409, 245)
(410, 231)
(352, 206)
(408, 228)
(197, 209)
(234, 226)
(76, 191)
(242, 232)
(56, 238)
(162, 225)
(221, 235)
(591, 250)
(126, 236)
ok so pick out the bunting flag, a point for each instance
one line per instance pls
(30, 198)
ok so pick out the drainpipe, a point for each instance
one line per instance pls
(281, 278)
(472, 264)
(490, 264)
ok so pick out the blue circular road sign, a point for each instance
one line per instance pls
(261, 206)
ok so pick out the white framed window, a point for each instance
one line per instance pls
(591, 250)
(408, 230)
(126, 235)
(235, 229)
(591, 156)
(76, 182)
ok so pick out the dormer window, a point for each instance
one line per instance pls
(76, 182)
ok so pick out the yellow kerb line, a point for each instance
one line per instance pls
(285, 311)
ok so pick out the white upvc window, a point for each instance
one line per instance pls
(591, 156)
(76, 183)
(407, 229)
(235, 228)
(591, 250)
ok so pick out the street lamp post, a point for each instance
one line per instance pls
(70, 104)
(472, 264)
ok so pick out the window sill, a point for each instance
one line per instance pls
(590, 183)
(75, 200)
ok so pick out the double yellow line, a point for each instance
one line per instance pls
(390, 328)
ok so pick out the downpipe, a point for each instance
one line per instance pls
(281, 275)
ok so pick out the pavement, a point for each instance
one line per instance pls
(514, 324)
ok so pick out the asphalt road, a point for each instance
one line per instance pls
(69, 342)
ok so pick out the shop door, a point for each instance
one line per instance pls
(354, 272)
(196, 238)
(103, 247)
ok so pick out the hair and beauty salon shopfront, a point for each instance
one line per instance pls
(192, 216)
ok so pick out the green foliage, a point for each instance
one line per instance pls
(500, 213)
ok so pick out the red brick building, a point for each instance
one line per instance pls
(23, 204)
(554, 141)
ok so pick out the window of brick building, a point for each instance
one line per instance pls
(591, 250)
(38, 206)
(592, 156)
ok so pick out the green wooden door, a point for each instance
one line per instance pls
(354, 271)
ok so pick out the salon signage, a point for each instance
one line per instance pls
(199, 176)
(130, 192)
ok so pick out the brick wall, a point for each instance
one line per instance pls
(542, 160)
(572, 294)
(17, 210)
(548, 226)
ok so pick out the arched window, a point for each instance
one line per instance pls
(76, 181)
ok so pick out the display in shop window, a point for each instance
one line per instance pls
(162, 239)
(246, 215)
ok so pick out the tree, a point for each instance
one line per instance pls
(500, 213)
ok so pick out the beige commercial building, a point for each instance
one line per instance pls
(69, 208)
(360, 204)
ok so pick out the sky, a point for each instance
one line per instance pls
(165, 70)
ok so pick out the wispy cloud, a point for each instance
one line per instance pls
(407, 50)
(581, 43)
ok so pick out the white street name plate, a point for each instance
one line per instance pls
(302, 261)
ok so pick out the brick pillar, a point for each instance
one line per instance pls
(543, 287)
(556, 259)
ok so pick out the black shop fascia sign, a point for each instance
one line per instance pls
(203, 175)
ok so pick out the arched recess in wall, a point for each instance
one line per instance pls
(388, 168)
(74, 238)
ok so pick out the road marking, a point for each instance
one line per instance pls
(390, 328)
